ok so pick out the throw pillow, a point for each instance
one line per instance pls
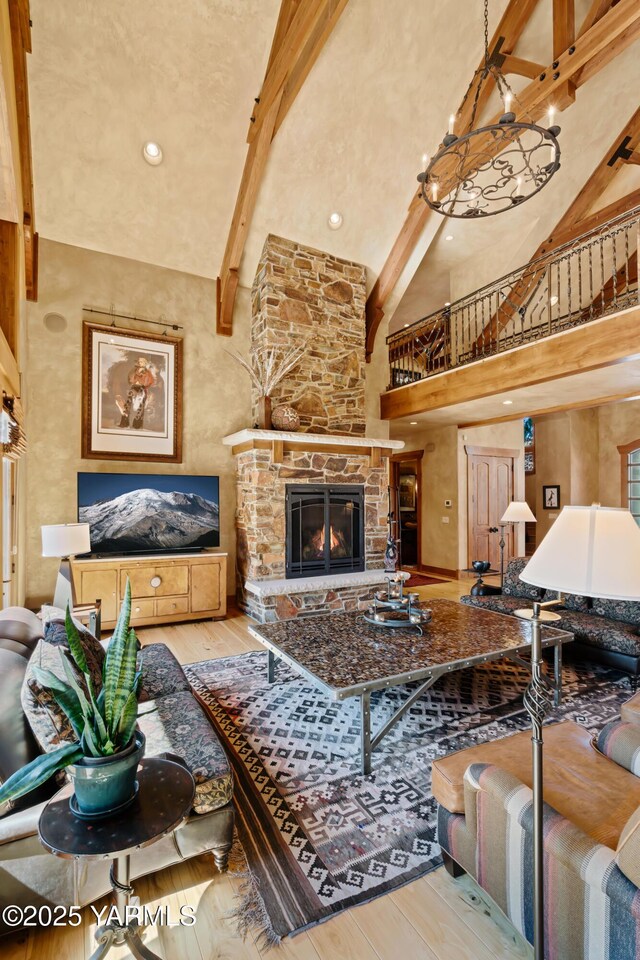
(55, 635)
(513, 586)
(628, 611)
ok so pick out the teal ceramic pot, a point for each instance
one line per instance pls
(104, 785)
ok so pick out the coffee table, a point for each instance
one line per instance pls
(349, 657)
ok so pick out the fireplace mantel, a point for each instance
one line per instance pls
(282, 441)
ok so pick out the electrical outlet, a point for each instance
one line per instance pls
(445, 519)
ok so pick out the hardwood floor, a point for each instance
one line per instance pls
(433, 918)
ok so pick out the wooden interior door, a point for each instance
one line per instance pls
(491, 490)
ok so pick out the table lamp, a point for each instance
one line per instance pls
(594, 552)
(518, 511)
(65, 540)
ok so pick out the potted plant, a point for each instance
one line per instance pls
(103, 760)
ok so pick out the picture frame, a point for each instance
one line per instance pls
(131, 395)
(551, 496)
(407, 487)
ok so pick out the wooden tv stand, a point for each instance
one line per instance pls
(165, 588)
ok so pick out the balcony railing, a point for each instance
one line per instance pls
(583, 280)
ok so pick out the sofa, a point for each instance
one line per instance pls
(591, 827)
(173, 723)
(607, 631)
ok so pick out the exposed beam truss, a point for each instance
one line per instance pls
(610, 32)
(302, 29)
(20, 47)
(575, 221)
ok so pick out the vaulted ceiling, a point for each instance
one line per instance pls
(105, 77)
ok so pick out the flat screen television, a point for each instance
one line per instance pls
(149, 513)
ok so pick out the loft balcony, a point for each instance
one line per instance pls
(571, 313)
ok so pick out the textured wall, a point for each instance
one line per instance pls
(215, 403)
(618, 424)
(306, 297)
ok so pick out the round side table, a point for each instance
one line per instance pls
(165, 795)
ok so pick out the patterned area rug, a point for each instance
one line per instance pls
(318, 836)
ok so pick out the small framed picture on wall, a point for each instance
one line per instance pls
(551, 497)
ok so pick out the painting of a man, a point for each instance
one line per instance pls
(141, 379)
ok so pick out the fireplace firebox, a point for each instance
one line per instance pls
(324, 529)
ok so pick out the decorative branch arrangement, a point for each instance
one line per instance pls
(267, 370)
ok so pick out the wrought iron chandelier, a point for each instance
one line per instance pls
(493, 168)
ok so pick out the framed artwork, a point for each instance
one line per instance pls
(529, 446)
(551, 497)
(131, 395)
(407, 491)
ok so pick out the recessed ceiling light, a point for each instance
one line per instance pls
(447, 303)
(406, 324)
(553, 301)
(152, 152)
(449, 236)
(335, 220)
(507, 403)
(413, 423)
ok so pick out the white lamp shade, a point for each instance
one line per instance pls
(591, 551)
(518, 512)
(65, 539)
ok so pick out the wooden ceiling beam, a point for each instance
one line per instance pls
(302, 29)
(564, 33)
(522, 68)
(533, 100)
(20, 22)
(595, 12)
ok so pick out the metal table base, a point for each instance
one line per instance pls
(115, 934)
(369, 741)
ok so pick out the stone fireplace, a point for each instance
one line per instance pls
(311, 505)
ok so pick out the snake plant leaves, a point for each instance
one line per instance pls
(128, 719)
(90, 744)
(64, 695)
(127, 678)
(38, 771)
(75, 644)
(73, 683)
(115, 652)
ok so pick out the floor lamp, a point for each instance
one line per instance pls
(518, 511)
(593, 552)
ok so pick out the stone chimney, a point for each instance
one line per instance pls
(304, 296)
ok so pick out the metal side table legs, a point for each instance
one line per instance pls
(115, 934)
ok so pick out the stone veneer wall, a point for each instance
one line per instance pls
(304, 296)
(260, 517)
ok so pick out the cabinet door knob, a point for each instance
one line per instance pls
(155, 581)
(137, 609)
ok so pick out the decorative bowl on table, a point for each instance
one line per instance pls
(481, 566)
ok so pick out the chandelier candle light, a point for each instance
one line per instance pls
(591, 552)
(494, 168)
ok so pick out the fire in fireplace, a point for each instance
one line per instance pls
(324, 529)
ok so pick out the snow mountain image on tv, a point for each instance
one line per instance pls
(151, 520)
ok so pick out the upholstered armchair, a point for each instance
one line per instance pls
(591, 825)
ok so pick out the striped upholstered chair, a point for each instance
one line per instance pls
(592, 833)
